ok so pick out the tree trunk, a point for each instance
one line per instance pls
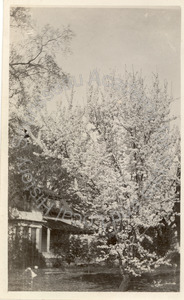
(125, 277)
(125, 283)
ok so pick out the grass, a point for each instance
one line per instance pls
(100, 278)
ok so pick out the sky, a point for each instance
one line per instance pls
(107, 39)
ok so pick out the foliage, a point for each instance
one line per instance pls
(34, 73)
(33, 65)
(22, 253)
(87, 249)
(20, 18)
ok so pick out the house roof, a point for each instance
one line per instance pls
(25, 215)
(65, 226)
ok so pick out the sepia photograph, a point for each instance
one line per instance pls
(94, 148)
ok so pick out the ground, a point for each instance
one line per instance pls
(106, 279)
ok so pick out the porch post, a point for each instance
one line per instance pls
(38, 238)
(29, 233)
(48, 239)
(40, 247)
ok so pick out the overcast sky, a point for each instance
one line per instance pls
(109, 38)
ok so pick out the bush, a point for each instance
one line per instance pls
(22, 253)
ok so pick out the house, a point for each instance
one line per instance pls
(45, 230)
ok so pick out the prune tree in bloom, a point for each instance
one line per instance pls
(137, 170)
(123, 154)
